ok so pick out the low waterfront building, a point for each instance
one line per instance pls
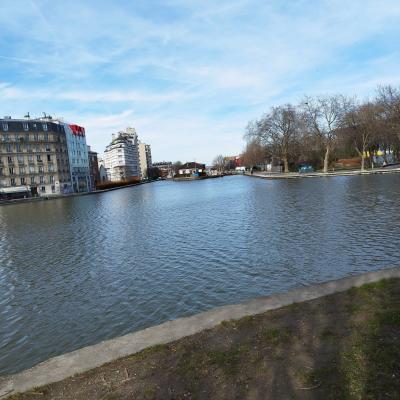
(121, 157)
(34, 158)
(192, 168)
(145, 159)
(165, 168)
(102, 171)
(102, 174)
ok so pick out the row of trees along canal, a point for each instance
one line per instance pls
(324, 128)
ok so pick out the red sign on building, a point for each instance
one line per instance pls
(77, 130)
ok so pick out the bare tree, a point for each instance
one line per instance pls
(219, 163)
(362, 125)
(254, 154)
(324, 115)
(280, 132)
(389, 99)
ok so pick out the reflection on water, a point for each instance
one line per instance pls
(80, 270)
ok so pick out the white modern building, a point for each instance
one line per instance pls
(121, 157)
(145, 159)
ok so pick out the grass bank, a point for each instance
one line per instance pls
(341, 346)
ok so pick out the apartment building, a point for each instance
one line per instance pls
(33, 158)
(145, 159)
(121, 156)
(93, 168)
(78, 157)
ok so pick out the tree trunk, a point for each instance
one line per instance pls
(363, 162)
(286, 164)
(326, 159)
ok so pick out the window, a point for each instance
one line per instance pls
(41, 179)
(41, 169)
(31, 169)
(49, 157)
(10, 160)
(30, 158)
(46, 137)
(53, 189)
(22, 170)
(9, 148)
(32, 180)
(44, 127)
(43, 189)
(48, 148)
(27, 137)
(22, 181)
(51, 179)
(28, 148)
(11, 170)
(5, 126)
(12, 181)
(20, 159)
(35, 137)
(39, 158)
(19, 148)
(51, 168)
(6, 138)
(25, 125)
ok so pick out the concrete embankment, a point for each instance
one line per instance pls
(64, 196)
(296, 175)
(196, 178)
(62, 367)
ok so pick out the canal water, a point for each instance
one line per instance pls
(76, 271)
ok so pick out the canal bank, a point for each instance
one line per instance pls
(195, 178)
(320, 319)
(196, 247)
(296, 175)
(65, 196)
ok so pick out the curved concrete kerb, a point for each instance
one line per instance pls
(61, 367)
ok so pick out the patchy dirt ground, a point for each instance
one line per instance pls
(343, 346)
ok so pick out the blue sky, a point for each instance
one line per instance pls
(188, 75)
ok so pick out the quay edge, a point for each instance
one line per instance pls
(296, 175)
(67, 365)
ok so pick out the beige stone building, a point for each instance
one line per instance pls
(145, 159)
(33, 158)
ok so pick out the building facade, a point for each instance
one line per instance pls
(145, 159)
(34, 158)
(93, 168)
(192, 168)
(165, 168)
(121, 156)
(78, 157)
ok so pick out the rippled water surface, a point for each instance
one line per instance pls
(76, 271)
